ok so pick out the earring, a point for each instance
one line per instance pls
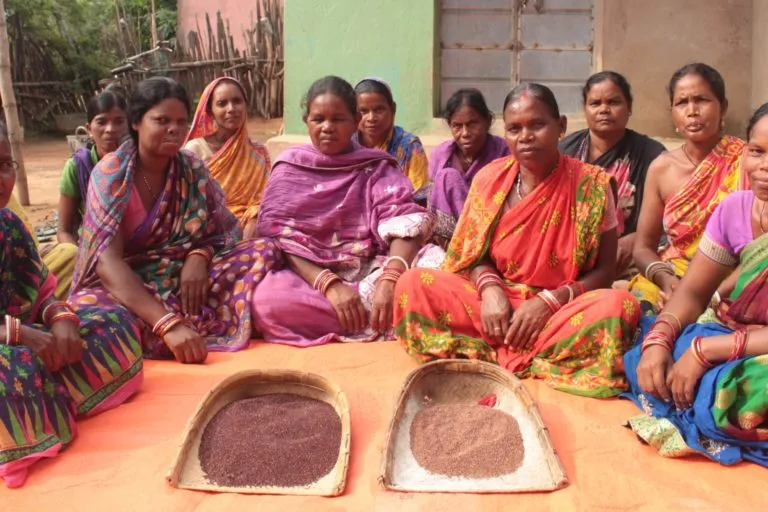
(677, 130)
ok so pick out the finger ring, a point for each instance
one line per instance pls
(497, 331)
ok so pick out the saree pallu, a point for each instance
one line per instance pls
(189, 213)
(687, 211)
(627, 162)
(546, 241)
(338, 212)
(450, 186)
(727, 422)
(407, 149)
(39, 407)
(241, 166)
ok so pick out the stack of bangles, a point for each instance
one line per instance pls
(324, 280)
(740, 339)
(391, 273)
(206, 252)
(163, 326)
(574, 290)
(662, 338)
(12, 330)
(57, 311)
(658, 267)
(487, 278)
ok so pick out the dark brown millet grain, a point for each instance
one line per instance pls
(470, 441)
(280, 439)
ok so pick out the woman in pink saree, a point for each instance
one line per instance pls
(345, 220)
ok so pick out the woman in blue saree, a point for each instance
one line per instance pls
(702, 380)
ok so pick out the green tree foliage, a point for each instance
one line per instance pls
(78, 39)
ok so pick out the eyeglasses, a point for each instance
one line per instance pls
(8, 168)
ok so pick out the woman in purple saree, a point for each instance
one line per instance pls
(348, 227)
(158, 239)
(454, 163)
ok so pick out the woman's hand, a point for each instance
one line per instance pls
(186, 344)
(44, 345)
(527, 323)
(652, 371)
(250, 230)
(383, 301)
(69, 344)
(346, 301)
(495, 312)
(194, 284)
(684, 378)
(668, 286)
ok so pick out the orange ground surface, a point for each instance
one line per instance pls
(120, 459)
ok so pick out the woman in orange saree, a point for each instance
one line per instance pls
(684, 186)
(521, 283)
(219, 136)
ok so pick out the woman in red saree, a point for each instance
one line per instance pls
(521, 283)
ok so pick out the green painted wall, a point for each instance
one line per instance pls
(392, 39)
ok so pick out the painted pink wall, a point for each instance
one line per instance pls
(238, 12)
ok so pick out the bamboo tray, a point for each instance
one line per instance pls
(463, 381)
(186, 473)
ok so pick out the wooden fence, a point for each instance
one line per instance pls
(193, 60)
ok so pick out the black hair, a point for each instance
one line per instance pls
(471, 98)
(708, 73)
(149, 93)
(331, 85)
(541, 92)
(618, 80)
(104, 102)
(209, 106)
(760, 113)
(370, 85)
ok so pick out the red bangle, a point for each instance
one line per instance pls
(66, 316)
(657, 338)
(390, 274)
(661, 321)
(324, 280)
(165, 324)
(48, 310)
(698, 355)
(739, 345)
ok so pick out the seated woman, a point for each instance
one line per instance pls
(377, 130)
(158, 238)
(702, 385)
(219, 136)
(107, 125)
(621, 152)
(55, 365)
(522, 281)
(685, 186)
(348, 227)
(455, 163)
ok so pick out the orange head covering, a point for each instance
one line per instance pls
(241, 166)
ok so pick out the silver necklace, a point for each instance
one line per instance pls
(762, 209)
(519, 184)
